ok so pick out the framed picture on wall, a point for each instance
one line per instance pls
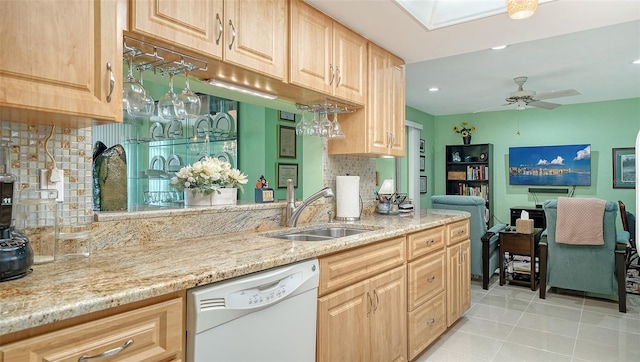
(422, 163)
(287, 171)
(423, 184)
(624, 167)
(421, 145)
(286, 142)
(287, 116)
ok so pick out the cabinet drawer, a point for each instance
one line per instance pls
(351, 266)
(156, 332)
(426, 278)
(424, 242)
(458, 231)
(425, 325)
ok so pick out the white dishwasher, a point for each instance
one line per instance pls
(265, 316)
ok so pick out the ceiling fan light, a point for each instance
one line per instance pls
(521, 9)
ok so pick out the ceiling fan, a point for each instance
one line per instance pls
(523, 98)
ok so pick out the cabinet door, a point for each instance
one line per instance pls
(388, 332)
(377, 104)
(349, 62)
(311, 51)
(60, 76)
(256, 35)
(465, 275)
(343, 324)
(454, 259)
(397, 106)
(193, 24)
(156, 332)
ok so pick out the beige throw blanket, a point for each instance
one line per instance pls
(580, 221)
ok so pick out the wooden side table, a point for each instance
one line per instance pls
(520, 244)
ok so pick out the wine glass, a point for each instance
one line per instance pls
(133, 93)
(149, 103)
(326, 127)
(314, 126)
(336, 131)
(301, 127)
(190, 100)
(169, 106)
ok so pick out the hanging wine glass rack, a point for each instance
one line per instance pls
(328, 107)
(163, 61)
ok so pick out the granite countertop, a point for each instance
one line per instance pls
(112, 277)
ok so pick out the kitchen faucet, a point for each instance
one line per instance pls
(293, 211)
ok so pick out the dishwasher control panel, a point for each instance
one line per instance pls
(264, 294)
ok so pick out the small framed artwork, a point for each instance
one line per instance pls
(286, 142)
(421, 145)
(287, 116)
(423, 184)
(422, 163)
(287, 171)
(624, 168)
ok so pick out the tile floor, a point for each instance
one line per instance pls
(511, 323)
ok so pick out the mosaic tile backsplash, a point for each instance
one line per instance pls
(72, 150)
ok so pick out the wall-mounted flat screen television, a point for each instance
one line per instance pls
(568, 165)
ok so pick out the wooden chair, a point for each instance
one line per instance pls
(632, 251)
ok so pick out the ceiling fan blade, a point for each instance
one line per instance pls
(494, 107)
(545, 105)
(557, 94)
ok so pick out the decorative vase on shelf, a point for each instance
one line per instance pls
(227, 196)
(197, 198)
(466, 140)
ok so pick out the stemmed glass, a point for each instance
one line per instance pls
(190, 100)
(149, 103)
(133, 93)
(326, 127)
(302, 126)
(170, 107)
(336, 132)
(314, 126)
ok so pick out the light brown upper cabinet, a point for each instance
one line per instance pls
(378, 129)
(249, 34)
(326, 56)
(67, 77)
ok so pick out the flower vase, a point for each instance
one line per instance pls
(466, 140)
(227, 196)
(197, 198)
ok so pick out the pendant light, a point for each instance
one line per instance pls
(521, 9)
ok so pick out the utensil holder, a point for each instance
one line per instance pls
(37, 217)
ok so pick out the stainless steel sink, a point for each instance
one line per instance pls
(320, 234)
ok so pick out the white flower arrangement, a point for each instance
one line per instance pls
(208, 175)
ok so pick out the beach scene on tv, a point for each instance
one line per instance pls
(568, 165)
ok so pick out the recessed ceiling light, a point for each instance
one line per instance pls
(499, 47)
(636, 61)
(433, 89)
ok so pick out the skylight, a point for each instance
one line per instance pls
(435, 14)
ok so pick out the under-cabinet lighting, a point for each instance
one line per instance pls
(241, 89)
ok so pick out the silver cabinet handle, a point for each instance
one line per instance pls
(431, 278)
(233, 34)
(112, 82)
(333, 74)
(108, 353)
(431, 321)
(370, 304)
(430, 242)
(220, 28)
(339, 76)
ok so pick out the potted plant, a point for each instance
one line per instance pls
(465, 131)
(209, 182)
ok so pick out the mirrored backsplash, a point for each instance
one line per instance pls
(72, 151)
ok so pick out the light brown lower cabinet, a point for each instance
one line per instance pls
(362, 304)
(152, 333)
(365, 321)
(458, 280)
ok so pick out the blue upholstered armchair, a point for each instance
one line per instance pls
(484, 243)
(598, 269)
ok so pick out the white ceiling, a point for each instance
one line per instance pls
(587, 45)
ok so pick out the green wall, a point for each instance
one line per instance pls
(604, 125)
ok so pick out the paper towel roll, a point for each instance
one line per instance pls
(348, 197)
